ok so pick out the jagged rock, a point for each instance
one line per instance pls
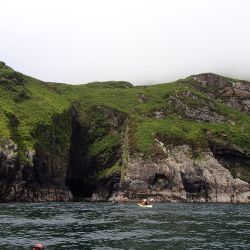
(212, 79)
(180, 177)
(202, 113)
(233, 94)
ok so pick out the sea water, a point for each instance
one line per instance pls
(82, 225)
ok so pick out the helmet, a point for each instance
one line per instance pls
(38, 246)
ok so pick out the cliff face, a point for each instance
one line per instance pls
(179, 174)
(38, 174)
(95, 146)
(27, 181)
(183, 141)
(67, 158)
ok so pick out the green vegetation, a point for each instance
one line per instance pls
(104, 146)
(54, 136)
(110, 84)
(175, 130)
(116, 168)
(32, 111)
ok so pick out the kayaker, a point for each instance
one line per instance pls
(38, 247)
(145, 202)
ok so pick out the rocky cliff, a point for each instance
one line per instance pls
(183, 141)
(28, 181)
(180, 175)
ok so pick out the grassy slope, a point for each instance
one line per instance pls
(43, 100)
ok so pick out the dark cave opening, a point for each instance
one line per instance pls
(80, 174)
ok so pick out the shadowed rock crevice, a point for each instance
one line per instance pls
(237, 162)
(79, 173)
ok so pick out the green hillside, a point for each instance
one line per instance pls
(165, 111)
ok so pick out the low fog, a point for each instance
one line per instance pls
(141, 41)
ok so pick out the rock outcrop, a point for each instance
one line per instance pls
(21, 181)
(202, 112)
(233, 93)
(181, 176)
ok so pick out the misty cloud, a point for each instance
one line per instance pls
(141, 41)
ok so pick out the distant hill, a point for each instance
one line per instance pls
(110, 84)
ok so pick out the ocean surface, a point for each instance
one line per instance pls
(83, 225)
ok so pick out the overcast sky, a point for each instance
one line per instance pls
(141, 41)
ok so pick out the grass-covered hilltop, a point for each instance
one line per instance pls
(186, 140)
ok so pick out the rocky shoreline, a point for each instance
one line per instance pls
(174, 176)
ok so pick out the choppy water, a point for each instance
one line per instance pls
(117, 226)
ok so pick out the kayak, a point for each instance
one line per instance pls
(141, 205)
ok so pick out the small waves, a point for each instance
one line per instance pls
(124, 226)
